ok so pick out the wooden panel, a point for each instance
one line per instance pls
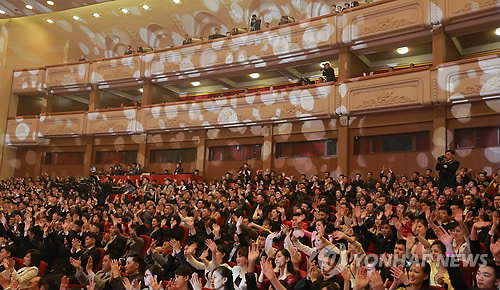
(62, 124)
(302, 103)
(123, 69)
(463, 10)
(384, 20)
(382, 94)
(113, 122)
(68, 76)
(466, 81)
(28, 81)
(22, 131)
(284, 44)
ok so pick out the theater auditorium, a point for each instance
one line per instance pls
(259, 144)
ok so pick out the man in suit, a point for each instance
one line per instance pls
(90, 250)
(447, 167)
(178, 169)
(114, 242)
(255, 23)
(328, 73)
(101, 278)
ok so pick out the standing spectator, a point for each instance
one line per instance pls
(255, 23)
(178, 169)
(447, 167)
(328, 73)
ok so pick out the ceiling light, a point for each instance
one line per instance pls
(96, 15)
(497, 32)
(76, 17)
(255, 75)
(28, 6)
(402, 50)
(177, 1)
(146, 7)
(124, 10)
(51, 3)
(50, 21)
(195, 84)
(2, 12)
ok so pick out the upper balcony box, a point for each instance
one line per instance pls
(294, 42)
(464, 13)
(116, 71)
(388, 92)
(26, 82)
(384, 20)
(299, 103)
(468, 80)
(22, 131)
(113, 121)
(70, 77)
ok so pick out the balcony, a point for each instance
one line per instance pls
(387, 21)
(385, 92)
(295, 42)
(28, 82)
(117, 71)
(300, 103)
(62, 124)
(22, 131)
(68, 77)
(468, 80)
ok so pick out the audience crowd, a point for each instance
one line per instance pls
(254, 230)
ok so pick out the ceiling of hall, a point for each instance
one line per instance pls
(18, 8)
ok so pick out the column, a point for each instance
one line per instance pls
(47, 103)
(201, 150)
(142, 153)
(343, 154)
(439, 138)
(95, 97)
(350, 65)
(88, 156)
(267, 148)
(443, 48)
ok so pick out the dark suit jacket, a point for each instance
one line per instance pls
(86, 253)
(117, 247)
(447, 171)
(255, 25)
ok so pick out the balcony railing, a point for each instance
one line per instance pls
(454, 82)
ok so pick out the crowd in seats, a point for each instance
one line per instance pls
(254, 230)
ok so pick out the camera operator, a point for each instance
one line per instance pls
(447, 167)
(328, 72)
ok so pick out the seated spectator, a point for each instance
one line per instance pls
(83, 58)
(283, 20)
(24, 275)
(187, 39)
(129, 50)
(217, 34)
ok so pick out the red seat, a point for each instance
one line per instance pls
(185, 233)
(468, 273)
(42, 268)
(302, 274)
(147, 243)
(101, 257)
